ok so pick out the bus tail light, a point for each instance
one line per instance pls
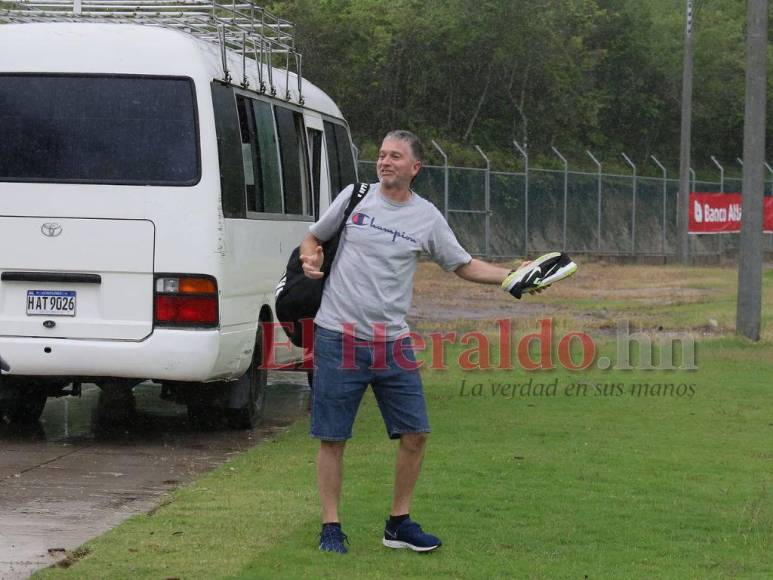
(185, 301)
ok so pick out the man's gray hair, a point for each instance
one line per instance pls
(417, 149)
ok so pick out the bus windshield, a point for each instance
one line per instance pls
(126, 130)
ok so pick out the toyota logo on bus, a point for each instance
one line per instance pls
(51, 230)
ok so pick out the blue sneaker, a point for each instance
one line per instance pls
(332, 539)
(409, 535)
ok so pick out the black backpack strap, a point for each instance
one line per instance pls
(331, 246)
(359, 191)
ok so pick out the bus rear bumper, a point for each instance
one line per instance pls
(167, 354)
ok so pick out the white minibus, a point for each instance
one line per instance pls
(153, 181)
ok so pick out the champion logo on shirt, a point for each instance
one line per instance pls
(362, 219)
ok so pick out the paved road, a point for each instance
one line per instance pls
(76, 474)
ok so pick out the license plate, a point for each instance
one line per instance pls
(51, 302)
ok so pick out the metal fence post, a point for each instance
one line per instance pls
(721, 174)
(487, 186)
(566, 188)
(633, 205)
(525, 197)
(445, 178)
(740, 161)
(720, 248)
(692, 189)
(665, 187)
(598, 202)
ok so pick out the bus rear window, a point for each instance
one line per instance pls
(98, 129)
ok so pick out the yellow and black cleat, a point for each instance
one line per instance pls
(539, 274)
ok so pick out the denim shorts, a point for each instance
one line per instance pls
(341, 376)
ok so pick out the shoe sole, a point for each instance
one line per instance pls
(566, 270)
(402, 545)
(560, 274)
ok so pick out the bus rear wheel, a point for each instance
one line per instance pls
(253, 383)
(22, 406)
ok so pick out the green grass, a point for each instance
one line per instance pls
(597, 486)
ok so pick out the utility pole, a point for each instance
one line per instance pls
(749, 306)
(683, 197)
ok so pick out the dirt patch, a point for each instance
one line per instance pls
(72, 557)
(440, 296)
(593, 299)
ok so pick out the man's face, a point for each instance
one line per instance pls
(396, 166)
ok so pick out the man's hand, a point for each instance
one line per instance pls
(485, 273)
(538, 290)
(539, 274)
(523, 279)
(312, 263)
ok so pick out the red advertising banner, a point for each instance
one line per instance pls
(718, 213)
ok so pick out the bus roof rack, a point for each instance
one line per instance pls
(254, 32)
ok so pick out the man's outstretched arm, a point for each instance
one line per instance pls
(482, 272)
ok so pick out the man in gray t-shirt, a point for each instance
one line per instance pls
(372, 277)
(360, 335)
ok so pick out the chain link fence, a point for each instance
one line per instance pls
(498, 214)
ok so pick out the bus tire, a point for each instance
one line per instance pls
(251, 389)
(23, 406)
(116, 406)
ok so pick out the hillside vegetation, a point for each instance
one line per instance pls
(603, 75)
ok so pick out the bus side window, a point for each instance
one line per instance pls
(229, 151)
(259, 156)
(345, 156)
(250, 156)
(269, 157)
(340, 157)
(332, 160)
(315, 143)
(295, 176)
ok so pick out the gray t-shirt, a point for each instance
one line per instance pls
(372, 277)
